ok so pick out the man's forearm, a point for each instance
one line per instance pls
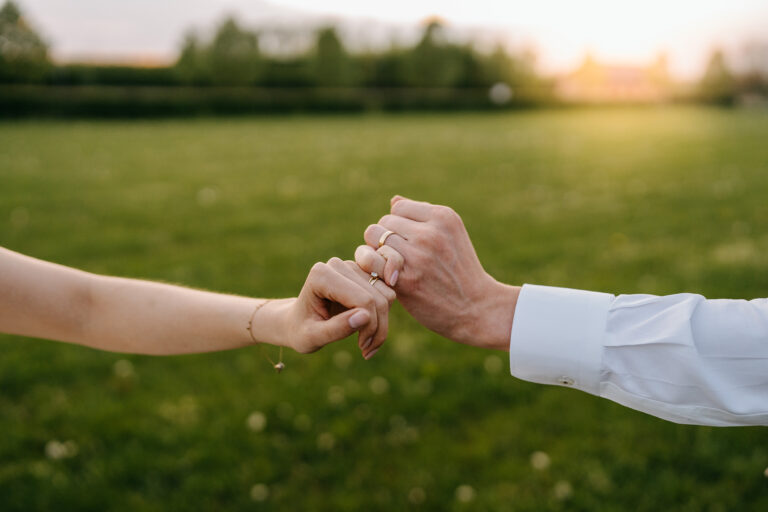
(679, 357)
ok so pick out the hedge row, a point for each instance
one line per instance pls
(114, 101)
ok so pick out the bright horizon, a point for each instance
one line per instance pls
(561, 33)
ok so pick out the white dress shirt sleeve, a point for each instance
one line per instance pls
(680, 357)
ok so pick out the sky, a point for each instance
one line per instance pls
(561, 32)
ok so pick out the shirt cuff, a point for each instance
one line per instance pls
(557, 336)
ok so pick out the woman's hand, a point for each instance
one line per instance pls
(336, 301)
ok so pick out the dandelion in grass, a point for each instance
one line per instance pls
(379, 385)
(123, 369)
(465, 493)
(563, 490)
(256, 421)
(55, 449)
(259, 492)
(540, 460)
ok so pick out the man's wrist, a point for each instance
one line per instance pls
(490, 322)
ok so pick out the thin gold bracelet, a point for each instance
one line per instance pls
(279, 366)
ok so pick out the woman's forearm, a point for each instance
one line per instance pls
(127, 315)
(46, 300)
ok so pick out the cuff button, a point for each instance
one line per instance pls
(565, 380)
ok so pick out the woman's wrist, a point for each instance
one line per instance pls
(270, 322)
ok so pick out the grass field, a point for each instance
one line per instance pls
(656, 201)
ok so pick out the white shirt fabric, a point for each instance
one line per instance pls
(680, 357)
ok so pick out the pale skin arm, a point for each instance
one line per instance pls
(437, 275)
(45, 300)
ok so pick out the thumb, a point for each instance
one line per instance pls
(342, 325)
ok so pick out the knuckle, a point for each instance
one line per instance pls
(426, 234)
(334, 261)
(445, 215)
(364, 261)
(317, 269)
(370, 231)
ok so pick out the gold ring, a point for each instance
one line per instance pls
(374, 277)
(384, 236)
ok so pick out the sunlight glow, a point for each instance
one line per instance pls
(561, 32)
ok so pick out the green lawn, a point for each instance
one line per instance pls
(656, 200)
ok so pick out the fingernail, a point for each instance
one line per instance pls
(394, 277)
(367, 343)
(358, 319)
(371, 354)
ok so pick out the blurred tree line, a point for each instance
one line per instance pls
(720, 84)
(435, 72)
(23, 54)
(232, 57)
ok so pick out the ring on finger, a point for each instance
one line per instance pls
(374, 277)
(384, 236)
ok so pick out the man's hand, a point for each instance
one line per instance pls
(431, 263)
